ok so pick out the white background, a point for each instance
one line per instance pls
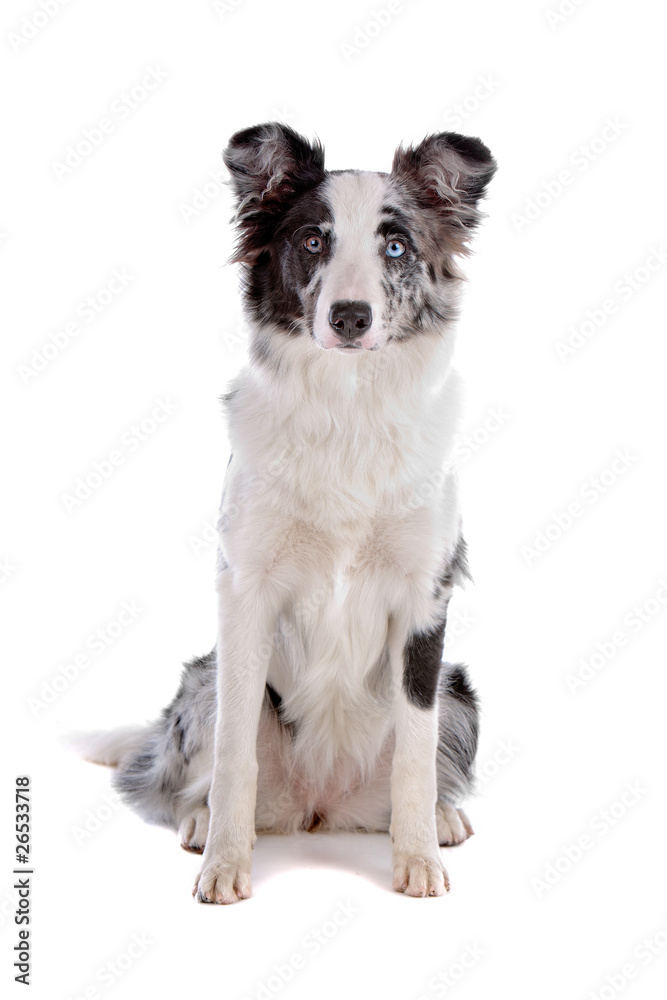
(539, 91)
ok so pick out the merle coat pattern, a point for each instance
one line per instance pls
(325, 703)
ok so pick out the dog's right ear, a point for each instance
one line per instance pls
(270, 166)
(448, 173)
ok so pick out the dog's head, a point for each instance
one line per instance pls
(354, 259)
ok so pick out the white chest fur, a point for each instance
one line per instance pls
(336, 497)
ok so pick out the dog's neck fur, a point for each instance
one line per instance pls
(361, 434)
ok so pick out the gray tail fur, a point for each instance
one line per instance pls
(161, 768)
(170, 771)
(458, 726)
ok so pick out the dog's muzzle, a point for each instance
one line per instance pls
(350, 319)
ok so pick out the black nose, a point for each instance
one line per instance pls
(350, 318)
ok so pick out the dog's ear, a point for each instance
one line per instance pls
(270, 166)
(448, 173)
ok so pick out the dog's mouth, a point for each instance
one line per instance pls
(349, 348)
(352, 348)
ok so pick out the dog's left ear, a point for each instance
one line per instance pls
(448, 173)
(270, 166)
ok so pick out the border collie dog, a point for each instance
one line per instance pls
(325, 703)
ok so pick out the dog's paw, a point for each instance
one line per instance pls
(420, 875)
(194, 829)
(223, 880)
(453, 825)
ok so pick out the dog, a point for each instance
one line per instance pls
(325, 703)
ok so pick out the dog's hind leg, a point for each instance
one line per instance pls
(453, 825)
(458, 724)
(193, 829)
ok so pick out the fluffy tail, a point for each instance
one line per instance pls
(110, 748)
(164, 768)
(458, 725)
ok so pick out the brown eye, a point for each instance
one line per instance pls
(313, 244)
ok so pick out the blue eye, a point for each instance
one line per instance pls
(395, 248)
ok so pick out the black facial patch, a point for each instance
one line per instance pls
(271, 167)
(422, 659)
(275, 284)
(311, 215)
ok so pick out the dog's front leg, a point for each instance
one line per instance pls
(245, 633)
(417, 866)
